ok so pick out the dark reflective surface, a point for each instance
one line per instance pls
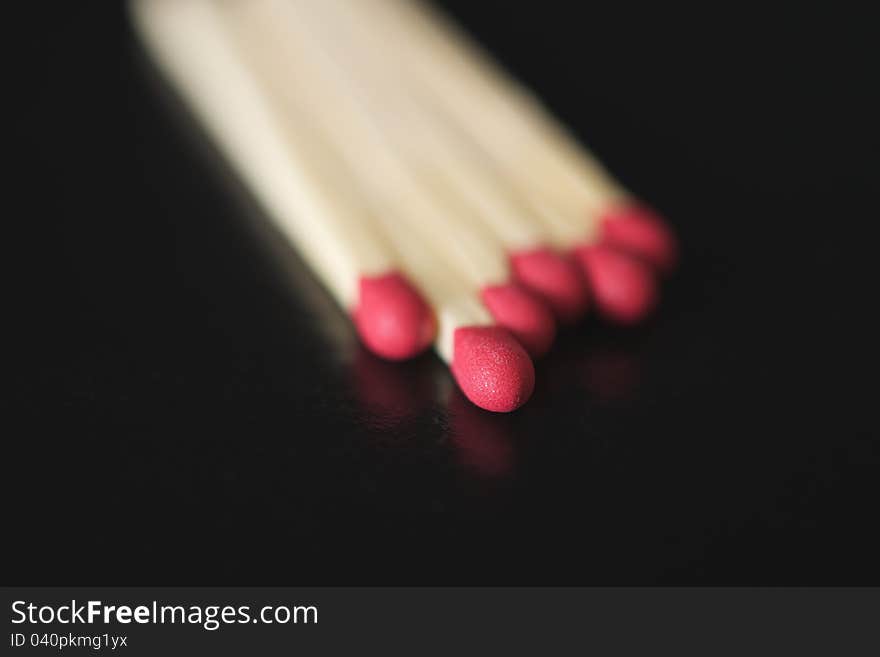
(198, 411)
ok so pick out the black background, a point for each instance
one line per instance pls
(196, 410)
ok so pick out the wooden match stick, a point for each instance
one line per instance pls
(295, 65)
(584, 209)
(353, 261)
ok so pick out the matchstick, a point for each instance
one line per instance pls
(356, 265)
(294, 64)
(584, 209)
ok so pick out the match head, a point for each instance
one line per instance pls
(624, 288)
(523, 314)
(492, 368)
(392, 318)
(555, 279)
(637, 229)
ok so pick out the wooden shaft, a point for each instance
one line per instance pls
(567, 186)
(431, 145)
(191, 46)
(293, 63)
(512, 106)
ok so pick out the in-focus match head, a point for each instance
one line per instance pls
(637, 229)
(624, 289)
(392, 318)
(492, 368)
(555, 279)
(523, 314)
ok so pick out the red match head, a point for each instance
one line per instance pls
(639, 230)
(555, 279)
(492, 368)
(624, 288)
(523, 314)
(392, 318)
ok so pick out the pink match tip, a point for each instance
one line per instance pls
(624, 289)
(392, 318)
(638, 230)
(492, 368)
(523, 314)
(555, 279)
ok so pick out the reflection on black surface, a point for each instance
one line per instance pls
(482, 443)
(611, 373)
(598, 363)
(389, 394)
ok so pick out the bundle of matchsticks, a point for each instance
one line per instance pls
(436, 200)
